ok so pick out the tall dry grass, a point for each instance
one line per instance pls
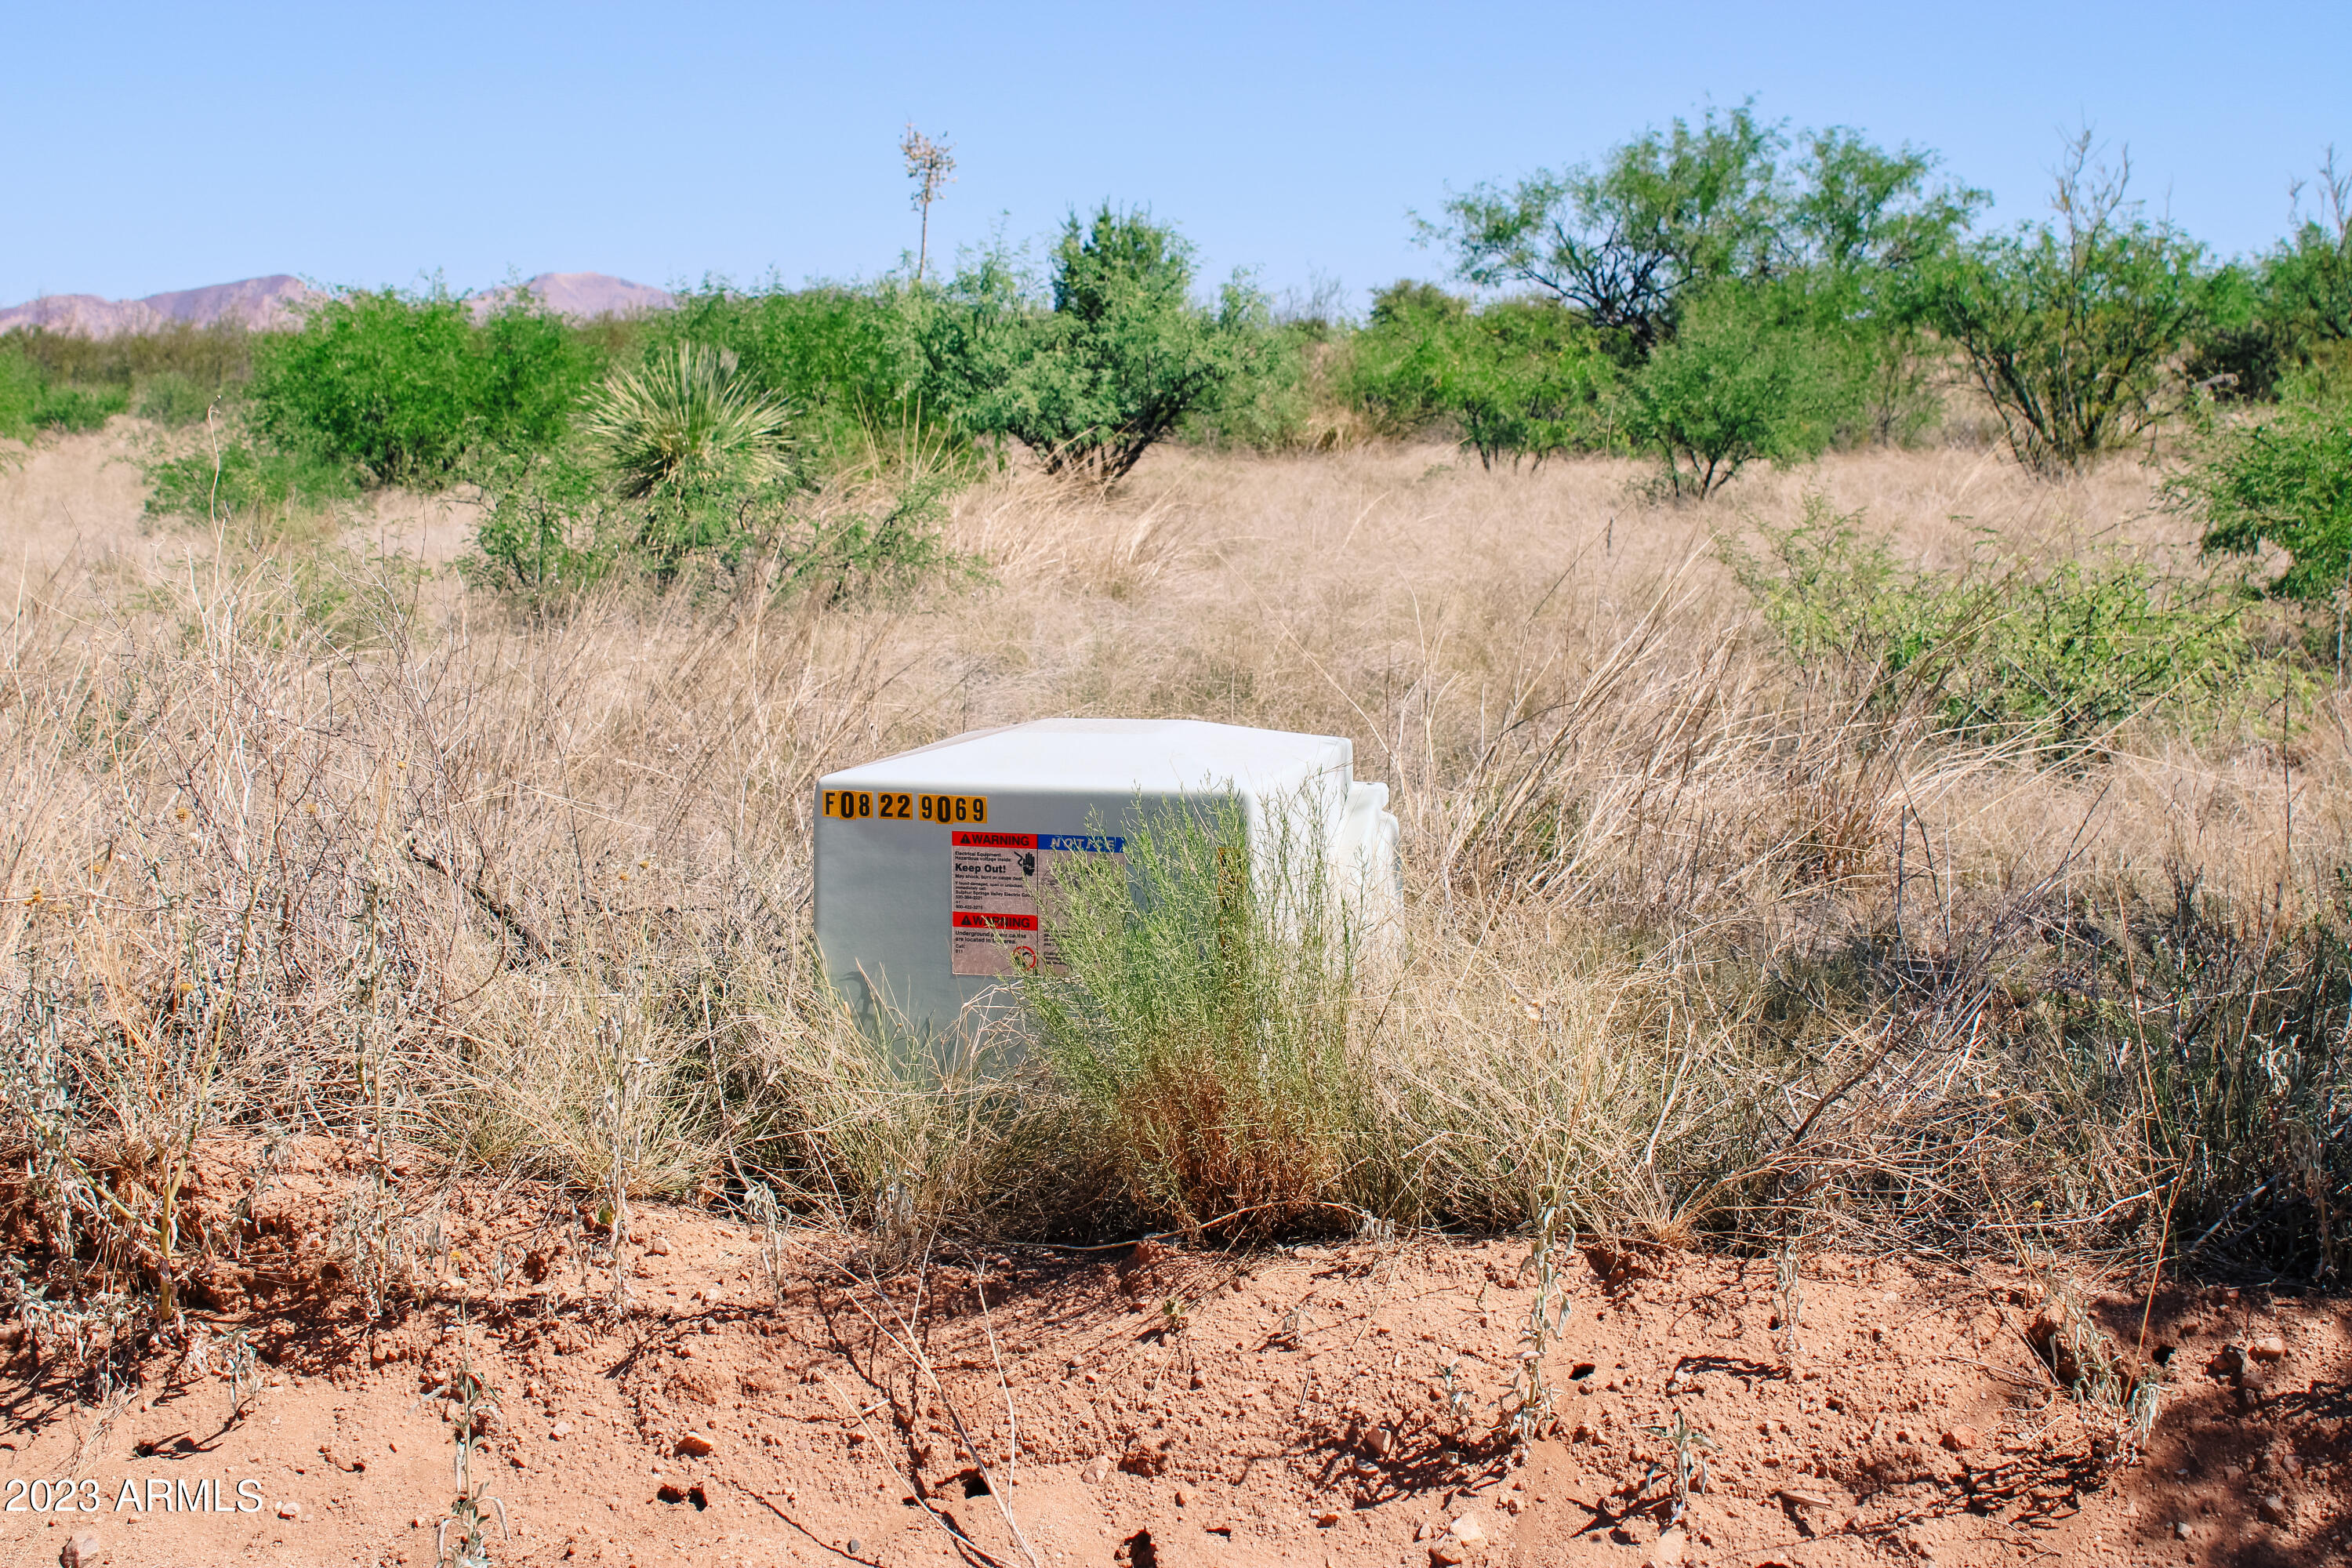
(1696, 944)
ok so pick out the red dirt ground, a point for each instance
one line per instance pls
(1174, 1408)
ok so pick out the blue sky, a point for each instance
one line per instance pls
(162, 147)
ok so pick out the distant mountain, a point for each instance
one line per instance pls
(275, 302)
(583, 296)
(257, 302)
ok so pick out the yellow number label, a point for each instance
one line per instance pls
(891, 805)
(951, 808)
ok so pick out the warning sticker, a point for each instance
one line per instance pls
(994, 927)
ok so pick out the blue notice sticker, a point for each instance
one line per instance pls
(1082, 844)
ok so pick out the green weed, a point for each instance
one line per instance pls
(1999, 647)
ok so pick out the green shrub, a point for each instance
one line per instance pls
(1668, 215)
(687, 423)
(1403, 359)
(551, 524)
(404, 386)
(380, 379)
(1272, 409)
(534, 367)
(2284, 480)
(79, 408)
(172, 399)
(849, 362)
(1518, 378)
(215, 356)
(1119, 363)
(1999, 649)
(2307, 280)
(1665, 213)
(1201, 1027)
(33, 400)
(1526, 380)
(2069, 328)
(1744, 380)
(691, 443)
(243, 480)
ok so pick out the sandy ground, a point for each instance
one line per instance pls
(1140, 1406)
(69, 502)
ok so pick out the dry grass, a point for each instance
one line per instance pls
(306, 837)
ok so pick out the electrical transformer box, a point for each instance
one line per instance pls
(928, 863)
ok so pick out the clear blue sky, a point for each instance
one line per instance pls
(166, 146)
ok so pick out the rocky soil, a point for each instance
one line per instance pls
(734, 1396)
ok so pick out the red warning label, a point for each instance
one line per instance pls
(992, 916)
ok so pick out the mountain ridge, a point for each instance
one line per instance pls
(275, 302)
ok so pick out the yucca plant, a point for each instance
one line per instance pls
(684, 423)
(685, 437)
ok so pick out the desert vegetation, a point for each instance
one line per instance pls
(1865, 697)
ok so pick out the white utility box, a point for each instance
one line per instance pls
(927, 862)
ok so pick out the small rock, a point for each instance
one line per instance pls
(559, 1431)
(1461, 1538)
(2270, 1347)
(1182, 1497)
(1960, 1439)
(1803, 1498)
(658, 1246)
(1424, 1532)
(694, 1445)
(2181, 1530)
(1666, 1551)
(79, 1552)
(1378, 1441)
(1098, 1471)
(1327, 1518)
(2272, 1509)
(853, 1546)
(289, 1509)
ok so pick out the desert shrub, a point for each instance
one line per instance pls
(687, 423)
(1998, 648)
(1120, 361)
(79, 407)
(171, 399)
(32, 399)
(404, 386)
(550, 527)
(1525, 380)
(1282, 402)
(1201, 1027)
(533, 369)
(20, 387)
(380, 379)
(2306, 279)
(681, 468)
(2285, 482)
(1745, 379)
(2069, 328)
(241, 477)
(1670, 213)
(1403, 358)
(1518, 379)
(1664, 213)
(691, 443)
(848, 361)
(214, 356)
